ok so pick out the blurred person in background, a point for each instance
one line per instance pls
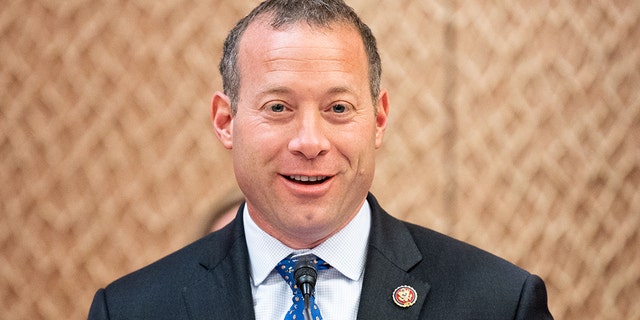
(222, 213)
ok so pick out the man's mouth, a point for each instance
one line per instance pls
(308, 179)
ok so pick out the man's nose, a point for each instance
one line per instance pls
(310, 138)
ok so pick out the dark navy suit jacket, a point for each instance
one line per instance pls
(209, 279)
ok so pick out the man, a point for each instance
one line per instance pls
(303, 113)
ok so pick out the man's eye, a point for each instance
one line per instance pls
(277, 107)
(339, 108)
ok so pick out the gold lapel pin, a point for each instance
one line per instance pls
(405, 296)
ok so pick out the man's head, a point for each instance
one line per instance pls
(305, 127)
(281, 13)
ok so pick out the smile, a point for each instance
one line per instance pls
(308, 179)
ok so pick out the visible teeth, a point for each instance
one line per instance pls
(307, 178)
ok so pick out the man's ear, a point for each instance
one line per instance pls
(382, 107)
(221, 119)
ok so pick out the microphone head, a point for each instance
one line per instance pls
(305, 274)
(305, 271)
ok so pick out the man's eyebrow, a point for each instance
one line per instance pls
(276, 90)
(342, 89)
(269, 91)
(286, 90)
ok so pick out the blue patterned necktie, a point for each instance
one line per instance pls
(286, 268)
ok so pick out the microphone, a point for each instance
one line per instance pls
(305, 274)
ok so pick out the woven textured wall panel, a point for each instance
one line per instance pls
(513, 126)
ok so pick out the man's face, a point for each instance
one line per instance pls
(306, 129)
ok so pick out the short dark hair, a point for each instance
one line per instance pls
(321, 13)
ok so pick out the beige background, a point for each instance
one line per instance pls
(515, 125)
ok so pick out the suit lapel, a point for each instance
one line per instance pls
(223, 290)
(391, 254)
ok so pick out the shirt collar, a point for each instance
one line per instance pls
(345, 251)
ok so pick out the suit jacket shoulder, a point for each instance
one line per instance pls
(452, 279)
(207, 279)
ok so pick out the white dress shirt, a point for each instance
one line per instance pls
(337, 291)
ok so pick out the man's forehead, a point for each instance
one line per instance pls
(259, 33)
(300, 48)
